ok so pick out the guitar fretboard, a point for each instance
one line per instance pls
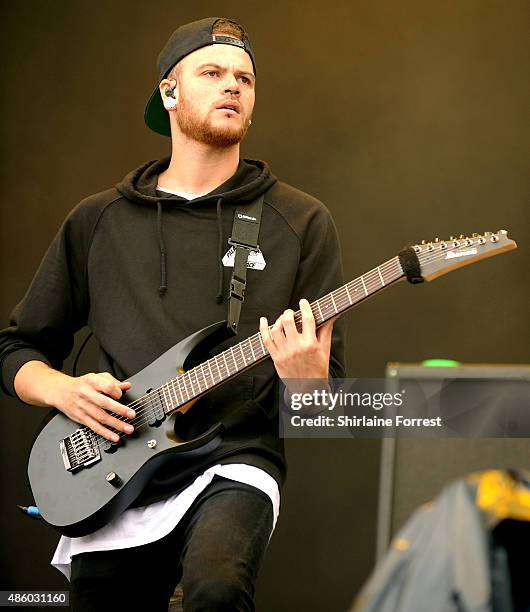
(232, 361)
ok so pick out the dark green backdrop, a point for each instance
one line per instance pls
(407, 119)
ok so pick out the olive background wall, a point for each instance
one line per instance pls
(407, 119)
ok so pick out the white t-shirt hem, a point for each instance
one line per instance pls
(145, 524)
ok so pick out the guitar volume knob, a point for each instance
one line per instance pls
(113, 479)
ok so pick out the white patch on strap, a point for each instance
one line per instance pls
(255, 259)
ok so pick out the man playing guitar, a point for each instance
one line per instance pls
(143, 265)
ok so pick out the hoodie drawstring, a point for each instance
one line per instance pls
(163, 278)
(220, 279)
(220, 270)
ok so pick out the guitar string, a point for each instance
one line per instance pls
(384, 267)
(426, 257)
(241, 363)
(148, 401)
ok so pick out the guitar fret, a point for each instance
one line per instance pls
(334, 305)
(173, 394)
(226, 365)
(335, 296)
(197, 379)
(252, 357)
(175, 386)
(190, 391)
(189, 385)
(164, 394)
(218, 369)
(387, 276)
(248, 349)
(179, 390)
(364, 286)
(205, 380)
(231, 350)
(251, 349)
(193, 371)
(210, 370)
(169, 401)
(261, 343)
(319, 310)
(185, 379)
(242, 354)
(346, 296)
(380, 276)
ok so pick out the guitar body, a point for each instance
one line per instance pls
(79, 502)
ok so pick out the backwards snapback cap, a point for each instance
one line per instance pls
(182, 42)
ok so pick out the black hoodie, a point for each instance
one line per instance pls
(142, 269)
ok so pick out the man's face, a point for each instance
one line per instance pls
(211, 78)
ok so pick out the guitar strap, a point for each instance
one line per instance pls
(245, 232)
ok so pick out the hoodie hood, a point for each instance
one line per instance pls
(251, 179)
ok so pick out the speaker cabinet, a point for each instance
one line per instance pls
(414, 470)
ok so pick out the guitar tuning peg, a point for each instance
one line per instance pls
(503, 232)
(423, 242)
(474, 235)
(451, 238)
(436, 239)
(461, 237)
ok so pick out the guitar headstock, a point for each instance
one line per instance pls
(441, 256)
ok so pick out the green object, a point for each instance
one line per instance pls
(440, 363)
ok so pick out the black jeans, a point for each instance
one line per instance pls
(215, 552)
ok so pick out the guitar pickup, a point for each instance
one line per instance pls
(155, 412)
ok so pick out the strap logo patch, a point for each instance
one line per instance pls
(246, 218)
(255, 259)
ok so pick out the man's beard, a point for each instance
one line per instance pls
(202, 130)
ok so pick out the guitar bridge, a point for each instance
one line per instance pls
(80, 449)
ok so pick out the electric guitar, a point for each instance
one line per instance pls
(81, 481)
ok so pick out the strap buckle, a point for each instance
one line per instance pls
(237, 289)
(249, 247)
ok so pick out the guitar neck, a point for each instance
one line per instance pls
(227, 364)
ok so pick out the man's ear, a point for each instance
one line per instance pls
(169, 91)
